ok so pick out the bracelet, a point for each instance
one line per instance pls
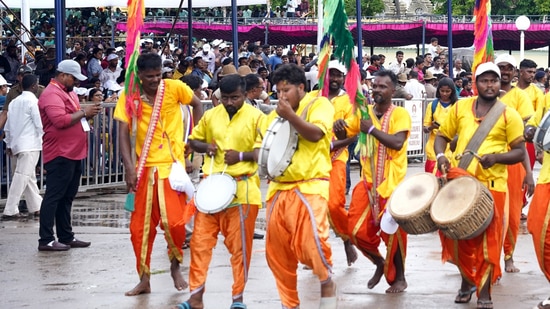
(331, 145)
(240, 156)
(439, 155)
(83, 112)
(370, 129)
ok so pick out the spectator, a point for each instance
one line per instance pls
(398, 66)
(434, 49)
(430, 84)
(94, 63)
(12, 55)
(275, 59)
(112, 72)
(374, 64)
(400, 92)
(540, 80)
(414, 87)
(466, 88)
(457, 68)
(436, 69)
(45, 67)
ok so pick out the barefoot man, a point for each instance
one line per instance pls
(160, 126)
(390, 126)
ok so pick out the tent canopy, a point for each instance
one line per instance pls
(50, 4)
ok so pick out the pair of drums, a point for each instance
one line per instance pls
(462, 209)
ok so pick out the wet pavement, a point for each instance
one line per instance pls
(98, 276)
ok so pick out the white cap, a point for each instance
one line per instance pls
(119, 48)
(112, 85)
(3, 81)
(335, 64)
(216, 42)
(206, 47)
(112, 56)
(80, 90)
(505, 58)
(223, 45)
(487, 67)
(71, 67)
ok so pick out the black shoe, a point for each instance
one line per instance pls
(54, 246)
(23, 206)
(13, 217)
(258, 236)
(75, 243)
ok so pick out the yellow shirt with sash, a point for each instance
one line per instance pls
(543, 109)
(536, 95)
(519, 101)
(239, 134)
(507, 130)
(395, 161)
(439, 115)
(343, 109)
(310, 168)
(170, 122)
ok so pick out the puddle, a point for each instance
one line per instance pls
(100, 213)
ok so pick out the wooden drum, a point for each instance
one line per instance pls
(410, 203)
(463, 209)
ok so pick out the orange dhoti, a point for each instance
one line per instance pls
(479, 257)
(538, 221)
(237, 226)
(364, 232)
(431, 167)
(338, 215)
(297, 231)
(155, 202)
(516, 174)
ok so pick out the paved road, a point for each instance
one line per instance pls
(97, 277)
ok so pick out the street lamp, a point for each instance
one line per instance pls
(522, 23)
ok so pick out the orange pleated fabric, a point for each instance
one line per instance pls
(338, 215)
(516, 174)
(538, 221)
(297, 231)
(366, 234)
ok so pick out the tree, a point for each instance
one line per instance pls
(498, 7)
(368, 7)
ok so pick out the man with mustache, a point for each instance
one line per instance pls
(227, 134)
(478, 257)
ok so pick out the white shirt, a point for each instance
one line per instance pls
(24, 128)
(397, 67)
(435, 71)
(456, 72)
(415, 88)
(210, 59)
(107, 75)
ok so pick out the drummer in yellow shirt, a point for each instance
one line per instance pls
(343, 112)
(390, 126)
(297, 223)
(539, 210)
(227, 134)
(478, 258)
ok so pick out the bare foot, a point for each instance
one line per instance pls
(179, 283)
(328, 289)
(509, 266)
(398, 286)
(351, 253)
(143, 287)
(377, 276)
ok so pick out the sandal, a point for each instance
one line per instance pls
(484, 304)
(462, 294)
(237, 305)
(184, 305)
(545, 304)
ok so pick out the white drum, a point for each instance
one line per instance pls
(542, 135)
(215, 193)
(278, 147)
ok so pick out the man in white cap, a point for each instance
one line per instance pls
(64, 146)
(519, 175)
(504, 145)
(112, 72)
(208, 56)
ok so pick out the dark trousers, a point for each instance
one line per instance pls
(62, 181)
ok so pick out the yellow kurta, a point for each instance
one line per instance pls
(439, 115)
(310, 168)
(544, 175)
(506, 131)
(343, 109)
(170, 122)
(536, 95)
(395, 166)
(519, 101)
(239, 134)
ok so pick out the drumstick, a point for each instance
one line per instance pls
(467, 151)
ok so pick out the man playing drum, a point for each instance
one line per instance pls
(297, 223)
(539, 210)
(390, 126)
(343, 112)
(478, 258)
(155, 200)
(227, 134)
(519, 175)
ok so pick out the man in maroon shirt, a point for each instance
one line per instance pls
(64, 146)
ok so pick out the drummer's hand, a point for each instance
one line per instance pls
(529, 184)
(529, 133)
(188, 166)
(488, 160)
(427, 129)
(339, 128)
(284, 109)
(211, 149)
(131, 180)
(365, 125)
(231, 157)
(443, 165)
(539, 156)
(187, 150)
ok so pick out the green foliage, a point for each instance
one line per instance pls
(498, 7)
(368, 7)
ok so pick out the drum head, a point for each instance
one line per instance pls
(278, 147)
(413, 195)
(542, 136)
(388, 224)
(215, 193)
(454, 200)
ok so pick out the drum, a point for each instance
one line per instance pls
(410, 203)
(542, 134)
(215, 193)
(278, 147)
(463, 209)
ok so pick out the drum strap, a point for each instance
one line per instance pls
(481, 133)
(302, 181)
(155, 116)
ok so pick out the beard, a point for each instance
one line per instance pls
(489, 97)
(231, 110)
(69, 89)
